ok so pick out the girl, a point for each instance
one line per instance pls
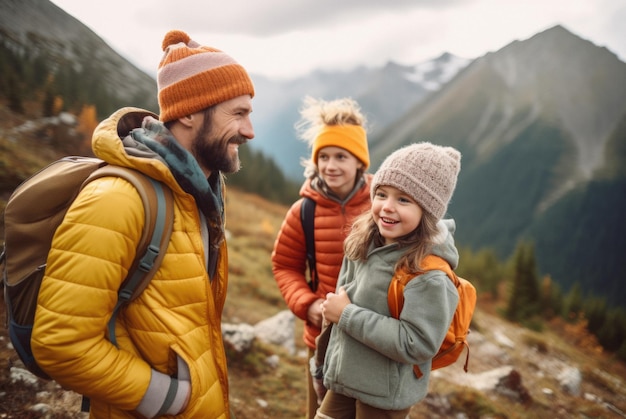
(368, 367)
(336, 180)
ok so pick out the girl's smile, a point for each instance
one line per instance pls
(396, 213)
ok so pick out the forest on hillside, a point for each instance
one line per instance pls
(55, 83)
(35, 85)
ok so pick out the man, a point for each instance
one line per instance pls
(170, 358)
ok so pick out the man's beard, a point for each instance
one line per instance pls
(212, 153)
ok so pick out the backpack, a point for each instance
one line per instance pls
(34, 211)
(456, 337)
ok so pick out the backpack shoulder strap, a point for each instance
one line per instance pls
(395, 293)
(158, 204)
(437, 263)
(307, 218)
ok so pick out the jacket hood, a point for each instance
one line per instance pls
(444, 242)
(111, 142)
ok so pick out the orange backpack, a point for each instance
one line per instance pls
(456, 338)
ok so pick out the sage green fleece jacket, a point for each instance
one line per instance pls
(371, 355)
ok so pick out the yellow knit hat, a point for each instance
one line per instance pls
(192, 77)
(349, 137)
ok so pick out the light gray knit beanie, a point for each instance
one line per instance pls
(424, 171)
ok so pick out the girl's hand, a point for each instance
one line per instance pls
(334, 305)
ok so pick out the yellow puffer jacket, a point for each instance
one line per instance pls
(178, 314)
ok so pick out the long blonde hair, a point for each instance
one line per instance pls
(418, 243)
(317, 113)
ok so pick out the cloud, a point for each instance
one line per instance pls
(272, 17)
(286, 38)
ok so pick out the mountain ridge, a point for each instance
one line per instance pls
(538, 123)
(384, 93)
(40, 24)
(574, 104)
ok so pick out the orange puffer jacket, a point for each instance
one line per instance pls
(332, 224)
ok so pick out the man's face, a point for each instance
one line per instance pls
(225, 128)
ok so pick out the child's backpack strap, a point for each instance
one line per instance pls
(395, 296)
(158, 204)
(307, 218)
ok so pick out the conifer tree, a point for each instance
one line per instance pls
(596, 312)
(491, 274)
(573, 304)
(524, 302)
(551, 299)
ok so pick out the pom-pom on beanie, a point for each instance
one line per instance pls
(192, 77)
(424, 171)
(349, 137)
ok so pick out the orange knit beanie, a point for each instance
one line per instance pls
(192, 77)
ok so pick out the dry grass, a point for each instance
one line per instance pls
(257, 390)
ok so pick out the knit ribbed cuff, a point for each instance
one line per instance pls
(165, 395)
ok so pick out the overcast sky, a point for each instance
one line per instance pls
(287, 38)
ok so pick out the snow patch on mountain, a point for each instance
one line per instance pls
(433, 74)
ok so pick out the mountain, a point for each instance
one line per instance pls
(541, 124)
(40, 27)
(384, 94)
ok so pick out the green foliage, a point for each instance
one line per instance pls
(582, 237)
(551, 298)
(573, 303)
(483, 269)
(31, 73)
(490, 209)
(596, 311)
(612, 333)
(531, 304)
(22, 75)
(523, 303)
(261, 175)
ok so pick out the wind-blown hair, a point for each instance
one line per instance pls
(318, 113)
(418, 243)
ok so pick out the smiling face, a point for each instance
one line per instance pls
(396, 214)
(338, 168)
(217, 140)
